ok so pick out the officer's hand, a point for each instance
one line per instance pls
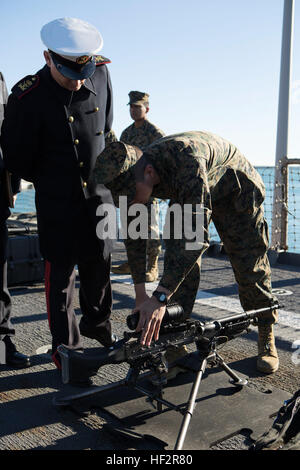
(150, 318)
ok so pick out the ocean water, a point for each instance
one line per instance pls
(25, 204)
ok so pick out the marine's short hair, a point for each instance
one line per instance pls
(140, 166)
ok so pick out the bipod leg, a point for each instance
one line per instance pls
(236, 380)
(190, 406)
(159, 399)
(154, 397)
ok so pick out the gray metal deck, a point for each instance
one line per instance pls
(29, 421)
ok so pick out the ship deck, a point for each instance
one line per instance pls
(30, 421)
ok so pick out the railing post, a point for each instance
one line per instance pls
(279, 219)
(284, 204)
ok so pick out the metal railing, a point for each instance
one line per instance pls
(280, 206)
(286, 199)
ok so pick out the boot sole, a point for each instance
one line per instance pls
(267, 371)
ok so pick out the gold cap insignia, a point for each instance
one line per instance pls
(83, 59)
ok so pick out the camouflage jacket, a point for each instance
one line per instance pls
(141, 136)
(110, 137)
(202, 170)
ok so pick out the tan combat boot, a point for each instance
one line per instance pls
(267, 361)
(121, 269)
(152, 270)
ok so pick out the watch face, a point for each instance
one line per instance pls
(161, 297)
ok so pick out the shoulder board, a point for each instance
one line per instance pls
(100, 60)
(25, 85)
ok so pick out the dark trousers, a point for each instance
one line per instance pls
(95, 299)
(6, 328)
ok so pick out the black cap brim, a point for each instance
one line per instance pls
(85, 71)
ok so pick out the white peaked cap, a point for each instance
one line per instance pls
(71, 37)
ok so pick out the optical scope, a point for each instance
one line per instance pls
(174, 314)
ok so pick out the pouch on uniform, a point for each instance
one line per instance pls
(285, 431)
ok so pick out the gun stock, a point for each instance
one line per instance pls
(77, 366)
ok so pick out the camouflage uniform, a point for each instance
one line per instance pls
(142, 137)
(110, 137)
(201, 168)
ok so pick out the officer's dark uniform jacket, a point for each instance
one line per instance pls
(52, 136)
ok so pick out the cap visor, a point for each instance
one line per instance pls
(86, 71)
(137, 103)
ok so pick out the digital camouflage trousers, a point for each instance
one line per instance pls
(245, 239)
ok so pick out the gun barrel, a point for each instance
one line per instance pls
(212, 327)
(250, 314)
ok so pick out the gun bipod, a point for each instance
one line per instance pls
(206, 356)
(208, 350)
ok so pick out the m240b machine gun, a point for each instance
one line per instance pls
(175, 331)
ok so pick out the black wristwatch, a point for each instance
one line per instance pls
(161, 297)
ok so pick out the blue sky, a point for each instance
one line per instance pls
(207, 65)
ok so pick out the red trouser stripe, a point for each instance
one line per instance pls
(55, 360)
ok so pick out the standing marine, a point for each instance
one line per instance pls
(142, 133)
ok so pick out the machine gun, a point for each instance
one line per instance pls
(175, 331)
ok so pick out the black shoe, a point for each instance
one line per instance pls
(16, 359)
(13, 357)
(106, 339)
(114, 340)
